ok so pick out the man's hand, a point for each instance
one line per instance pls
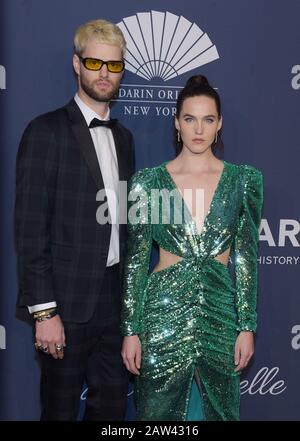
(50, 334)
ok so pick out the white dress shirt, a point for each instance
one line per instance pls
(107, 158)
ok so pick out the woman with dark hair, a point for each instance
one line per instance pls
(189, 324)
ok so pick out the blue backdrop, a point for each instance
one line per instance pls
(249, 50)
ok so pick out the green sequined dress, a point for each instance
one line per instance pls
(188, 315)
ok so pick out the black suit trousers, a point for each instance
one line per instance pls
(92, 356)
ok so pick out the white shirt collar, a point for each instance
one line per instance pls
(87, 112)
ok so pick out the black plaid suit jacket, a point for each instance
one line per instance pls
(61, 249)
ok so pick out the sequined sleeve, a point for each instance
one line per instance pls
(138, 252)
(246, 245)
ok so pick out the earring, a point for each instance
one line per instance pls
(178, 136)
(216, 138)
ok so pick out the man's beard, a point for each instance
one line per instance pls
(98, 96)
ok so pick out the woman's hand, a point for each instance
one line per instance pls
(132, 353)
(244, 349)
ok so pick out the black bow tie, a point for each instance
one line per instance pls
(98, 123)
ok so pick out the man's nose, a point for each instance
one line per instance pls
(103, 71)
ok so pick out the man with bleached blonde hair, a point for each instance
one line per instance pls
(69, 263)
(101, 30)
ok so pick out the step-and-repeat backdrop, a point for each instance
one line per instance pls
(250, 51)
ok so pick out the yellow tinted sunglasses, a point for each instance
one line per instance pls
(96, 64)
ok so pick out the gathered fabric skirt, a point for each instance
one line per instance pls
(189, 329)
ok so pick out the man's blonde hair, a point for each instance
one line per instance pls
(101, 30)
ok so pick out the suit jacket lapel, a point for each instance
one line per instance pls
(85, 142)
(121, 153)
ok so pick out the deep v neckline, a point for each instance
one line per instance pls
(216, 192)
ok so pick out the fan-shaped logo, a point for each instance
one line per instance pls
(164, 45)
